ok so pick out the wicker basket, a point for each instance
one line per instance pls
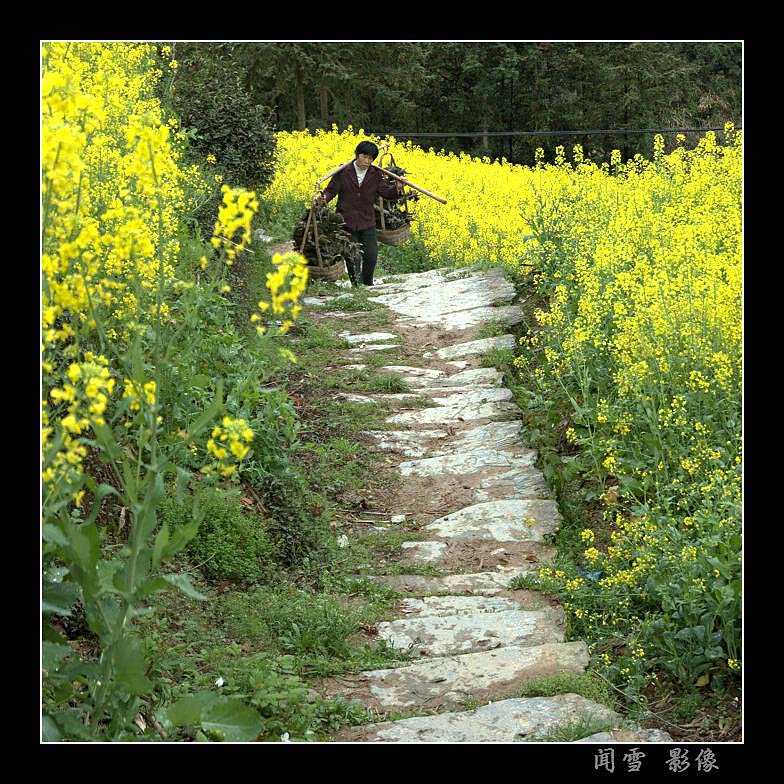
(395, 236)
(331, 273)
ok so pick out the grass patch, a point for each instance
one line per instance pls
(422, 570)
(492, 329)
(585, 684)
(358, 301)
(499, 358)
(365, 381)
(570, 731)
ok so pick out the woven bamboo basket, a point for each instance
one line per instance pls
(391, 236)
(395, 236)
(330, 273)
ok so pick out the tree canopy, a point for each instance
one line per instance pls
(490, 88)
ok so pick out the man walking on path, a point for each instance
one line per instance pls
(356, 185)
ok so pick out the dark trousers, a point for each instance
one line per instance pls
(366, 263)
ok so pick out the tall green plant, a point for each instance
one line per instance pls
(113, 196)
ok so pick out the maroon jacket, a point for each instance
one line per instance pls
(355, 204)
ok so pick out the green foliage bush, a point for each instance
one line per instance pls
(230, 544)
(211, 103)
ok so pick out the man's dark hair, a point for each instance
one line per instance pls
(366, 148)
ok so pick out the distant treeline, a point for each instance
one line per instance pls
(482, 87)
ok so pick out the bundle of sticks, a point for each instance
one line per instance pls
(325, 241)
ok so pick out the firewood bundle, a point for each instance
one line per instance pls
(395, 213)
(334, 240)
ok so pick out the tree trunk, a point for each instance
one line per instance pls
(347, 105)
(299, 94)
(324, 105)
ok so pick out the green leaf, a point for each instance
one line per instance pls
(147, 518)
(181, 537)
(232, 720)
(209, 414)
(104, 435)
(103, 615)
(130, 666)
(50, 732)
(183, 479)
(159, 549)
(56, 573)
(83, 553)
(52, 533)
(69, 725)
(153, 585)
(50, 635)
(80, 670)
(200, 381)
(188, 710)
(107, 575)
(183, 582)
(58, 597)
(52, 654)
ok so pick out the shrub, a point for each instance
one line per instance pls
(230, 544)
(210, 101)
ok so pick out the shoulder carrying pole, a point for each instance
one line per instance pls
(411, 184)
(333, 173)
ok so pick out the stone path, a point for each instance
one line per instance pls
(471, 483)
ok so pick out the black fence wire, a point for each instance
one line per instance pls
(619, 131)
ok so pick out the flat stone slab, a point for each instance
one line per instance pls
(352, 397)
(478, 554)
(472, 347)
(468, 462)
(368, 337)
(454, 605)
(447, 682)
(505, 721)
(471, 379)
(493, 435)
(474, 583)
(508, 315)
(325, 300)
(503, 520)
(454, 302)
(424, 551)
(411, 443)
(524, 478)
(418, 376)
(371, 347)
(628, 736)
(504, 435)
(442, 298)
(414, 280)
(488, 403)
(397, 397)
(437, 635)
(471, 397)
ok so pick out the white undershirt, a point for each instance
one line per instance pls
(360, 173)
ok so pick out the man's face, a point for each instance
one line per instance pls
(364, 161)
